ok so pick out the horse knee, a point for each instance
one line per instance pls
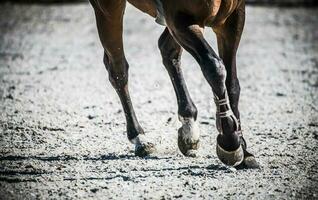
(218, 70)
(117, 71)
(169, 49)
(215, 73)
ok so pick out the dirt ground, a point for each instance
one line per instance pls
(62, 129)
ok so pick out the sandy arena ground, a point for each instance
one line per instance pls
(62, 128)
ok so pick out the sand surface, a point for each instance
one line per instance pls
(62, 128)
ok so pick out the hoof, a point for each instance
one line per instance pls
(144, 150)
(189, 150)
(191, 153)
(249, 162)
(143, 147)
(188, 137)
(230, 158)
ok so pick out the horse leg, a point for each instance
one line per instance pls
(188, 134)
(228, 38)
(109, 19)
(189, 34)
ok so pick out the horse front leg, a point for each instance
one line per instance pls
(188, 134)
(228, 38)
(109, 19)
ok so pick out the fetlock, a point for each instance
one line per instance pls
(227, 124)
(229, 148)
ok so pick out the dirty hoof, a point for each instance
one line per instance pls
(249, 162)
(143, 147)
(230, 158)
(188, 149)
(188, 137)
(143, 150)
(191, 153)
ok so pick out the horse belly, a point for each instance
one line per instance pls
(146, 6)
(207, 12)
(222, 9)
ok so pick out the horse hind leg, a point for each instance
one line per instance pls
(190, 35)
(228, 37)
(109, 19)
(188, 134)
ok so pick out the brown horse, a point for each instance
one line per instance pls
(185, 21)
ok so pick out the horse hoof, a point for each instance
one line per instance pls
(230, 158)
(191, 153)
(188, 137)
(250, 163)
(187, 148)
(143, 147)
(143, 150)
